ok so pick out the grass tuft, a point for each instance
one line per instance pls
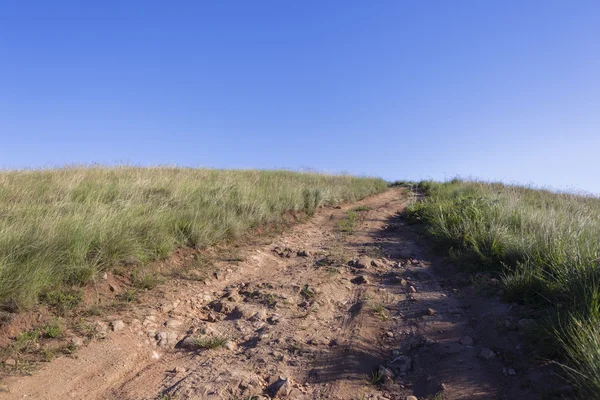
(210, 342)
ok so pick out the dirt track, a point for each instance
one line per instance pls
(307, 328)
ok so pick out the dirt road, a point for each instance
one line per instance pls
(317, 313)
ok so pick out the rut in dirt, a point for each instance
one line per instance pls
(349, 305)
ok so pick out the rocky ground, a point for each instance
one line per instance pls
(349, 305)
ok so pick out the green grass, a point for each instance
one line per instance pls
(380, 311)
(544, 246)
(61, 227)
(348, 223)
(210, 342)
(307, 292)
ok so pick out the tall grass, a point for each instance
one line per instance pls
(545, 246)
(64, 226)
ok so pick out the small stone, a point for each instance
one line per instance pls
(389, 334)
(166, 338)
(303, 253)
(10, 361)
(260, 315)
(411, 289)
(76, 341)
(403, 282)
(189, 342)
(362, 263)
(117, 325)
(487, 354)
(403, 364)
(411, 398)
(113, 287)
(512, 372)
(105, 276)
(101, 328)
(431, 311)
(173, 323)
(273, 319)
(212, 317)
(466, 340)
(280, 388)
(525, 323)
(385, 374)
(230, 345)
(359, 280)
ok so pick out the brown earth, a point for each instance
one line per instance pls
(318, 313)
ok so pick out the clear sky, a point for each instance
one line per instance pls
(502, 90)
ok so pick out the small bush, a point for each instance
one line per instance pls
(348, 223)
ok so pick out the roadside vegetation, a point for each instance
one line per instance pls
(544, 246)
(60, 228)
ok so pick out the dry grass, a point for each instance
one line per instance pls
(61, 227)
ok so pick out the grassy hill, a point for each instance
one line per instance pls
(62, 227)
(546, 248)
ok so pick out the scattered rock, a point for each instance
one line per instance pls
(105, 276)
(76, 341)
(212, 317)
(359, 280)
(402, 364)
(188, 343)
(362, 263)
(411, 289)
(487, 354)
(113, 287)
(389, 334)
(230, 345)
(166, 338)
(117, 325)
(466, 340)
(101, 328)
(411, 398)
(431, 311)
(222, 307)
(280, 388)
(303, 253)
(273, 319)
(524, 324)
(173, 323)
(10, 361)
(241, 312)
(385, 374)
(509, 371)
(260, 315)
(283, 253)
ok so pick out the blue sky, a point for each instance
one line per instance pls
(501, 90)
